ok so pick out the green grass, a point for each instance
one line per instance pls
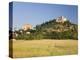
(37, 48)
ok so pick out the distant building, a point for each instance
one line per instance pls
(27, 32)
(26, 27)
(61, 19)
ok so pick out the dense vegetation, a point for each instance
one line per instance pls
(50, 30)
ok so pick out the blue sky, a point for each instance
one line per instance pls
(37, 13)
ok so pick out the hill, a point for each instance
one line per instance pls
(60, 28)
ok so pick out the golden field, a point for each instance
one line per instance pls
(40, 48)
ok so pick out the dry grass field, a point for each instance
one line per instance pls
(39, 48)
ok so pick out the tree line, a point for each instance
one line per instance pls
(49, 30)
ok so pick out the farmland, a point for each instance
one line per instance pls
(39, 48)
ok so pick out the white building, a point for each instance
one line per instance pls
(61, 19)
(26, 27)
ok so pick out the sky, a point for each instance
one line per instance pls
(37, 13)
